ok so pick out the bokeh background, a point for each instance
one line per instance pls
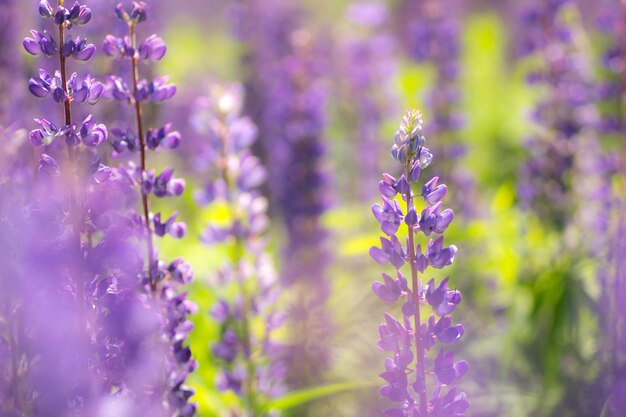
(524, 134)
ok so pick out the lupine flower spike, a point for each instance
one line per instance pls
(161, 279)
(140, 91)
(65, 90)
(248, 355)
(420, 386)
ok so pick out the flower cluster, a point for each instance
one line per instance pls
(250, 360)
(59, 87)
(563, 115)
(161, 279)
(367, 67)
(302, 199)
(409, 339)
(66, 235)
(290, 112)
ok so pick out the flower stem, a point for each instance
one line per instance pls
(70, 149)
(142, 152)
(236, 259)
(74, 215)
(415, 288)
(67, 107)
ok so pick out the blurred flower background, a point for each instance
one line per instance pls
(277, 119)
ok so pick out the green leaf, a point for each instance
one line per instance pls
(605, 408)
(296, 398)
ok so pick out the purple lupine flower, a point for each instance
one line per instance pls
(249, 358)
(412, 338)
(565, 113)
(162, 281)
(86, 321)
(66, 91)
(289, 110)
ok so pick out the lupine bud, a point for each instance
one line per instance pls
(411, 218)
(60, 15)
(121, 13)
(45, 10)
(153, 48)
(138, 12)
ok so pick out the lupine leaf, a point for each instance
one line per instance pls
(304, 396)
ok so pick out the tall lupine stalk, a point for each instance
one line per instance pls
(66, 89)
(562, 116)
(161, 280)
(151, 49)
(250, 366)
(289, 109)
(74, 323)
(303, 197)
(267, 28)
(611, 270)
(418, 384)
(49, 227)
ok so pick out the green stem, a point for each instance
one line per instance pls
(419, 362)
(237, 257)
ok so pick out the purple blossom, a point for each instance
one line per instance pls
(92, 134)
(40, 43)
(409, 387)
(250, 364)
(160, 289)
(564, 112)
(289, 109)
(152, 48)
(78, 49)
(118, 48)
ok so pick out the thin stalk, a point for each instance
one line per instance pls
(237, 257)
(419, 348)
(142, 152)
(70, 149)
(74, 215)
(67, 107)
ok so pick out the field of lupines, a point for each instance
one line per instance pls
(311, 208)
